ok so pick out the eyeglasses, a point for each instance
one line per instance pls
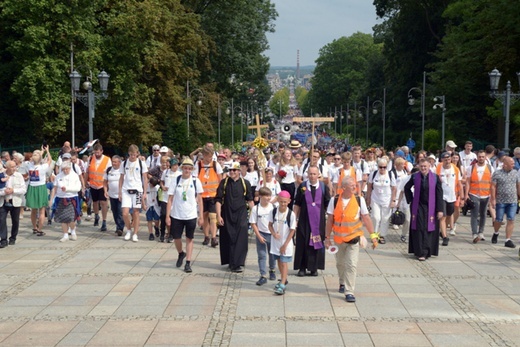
(337, 158)
(382, 167)
(156, 150)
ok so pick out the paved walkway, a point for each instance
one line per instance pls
(103, 291)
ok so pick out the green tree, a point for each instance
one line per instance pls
(280, 102)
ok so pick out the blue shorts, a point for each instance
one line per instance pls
(151, 215)
(508, 209)
(283, 258)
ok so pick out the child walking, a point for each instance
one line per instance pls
(260, 217)
(153, 211)
(282, 229)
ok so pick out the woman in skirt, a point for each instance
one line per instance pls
(37, 197)
(66, 187)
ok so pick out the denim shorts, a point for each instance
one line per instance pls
(508, 209)
(283, 258)
(151, 214)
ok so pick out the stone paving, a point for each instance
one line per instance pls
(103, 291)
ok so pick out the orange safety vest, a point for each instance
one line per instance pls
(95, 176)
(210, 181)
(342, 175)
(347, 225)
(457, 174)
(482, 187)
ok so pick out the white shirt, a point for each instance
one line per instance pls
(262, 216)
(71, 182)
(37, 173)
(362, 208)
(447, 177)
(291, 171)
(381, 188)
(167, 177)
(280, 226)
(152, 161)
(184, 204)
(400, 182)
(151, 198)
(324, 171)
(253, 177)
(346, 173)
(112, 179)
(132, 175)
(467, 159)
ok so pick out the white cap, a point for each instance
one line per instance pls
(451, 144)
(164, 149)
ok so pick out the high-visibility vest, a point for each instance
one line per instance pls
(342, 175)
(95, 175)
(347, 225)
(209, 179)
(455, 171)
(482, 187)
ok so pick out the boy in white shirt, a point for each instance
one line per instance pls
(153, 209)
(260, 217)
(282, 227)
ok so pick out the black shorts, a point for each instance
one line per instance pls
(449, 208)
(209, 205)
(98, 194)
(178, 225)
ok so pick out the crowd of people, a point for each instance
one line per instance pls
(297, 203)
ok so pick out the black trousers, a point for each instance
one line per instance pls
(15, 221)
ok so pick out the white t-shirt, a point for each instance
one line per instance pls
(448, 180)
(71, 182)
(151, 198)
(381, 188)
(132, 175)
(184, 205)
(280, 226)
(273, 185)
(37, 173)
(253, 177)
(112, 179)
(291, 171)
(467, 159)
(262, 216)
(167, 177)
(372, 165)
(346, 173)
(196, 170)
(324, 171)
(152, 161)
(362, 208)
(402, 178)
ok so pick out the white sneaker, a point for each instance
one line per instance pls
(454, 227)
(396, 227)
(481, 235)
(65, 238)
(452, 232)
(128, 235)
(88, 217)
(73, 237)
(134, 238)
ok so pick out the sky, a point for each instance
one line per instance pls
(308, 25)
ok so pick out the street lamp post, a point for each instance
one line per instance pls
(358, 113)
(411, 102)
(442, 105)
(89, 98)
(383, 107)
(506, 98)
(233, 119)
(219, 113)
(188, 105)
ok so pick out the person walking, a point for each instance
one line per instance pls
(10, 203)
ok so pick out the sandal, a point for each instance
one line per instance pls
(382, 240)
(40, 233)
(35, 231)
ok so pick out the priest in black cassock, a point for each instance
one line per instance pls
(234, 194)
(310, 205)
(427, 208)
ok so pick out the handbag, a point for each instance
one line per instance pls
(397, 217)
(470, 204)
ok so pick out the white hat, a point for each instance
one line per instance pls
(451, 144)
(164, 149)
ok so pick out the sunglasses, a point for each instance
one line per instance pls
(233, 170)
(156, 150)
(382, 167)
(337, 158)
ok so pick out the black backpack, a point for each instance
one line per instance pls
(289, 213)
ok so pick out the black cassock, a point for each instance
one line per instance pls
(305, 256)
(233, 235)
(421, 242)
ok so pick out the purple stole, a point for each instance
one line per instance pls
(314, 213)
(431, 200)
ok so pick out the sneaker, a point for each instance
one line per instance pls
(187, 268)
(64, 238)
(49, 222)
(12, 242)
(157, 232)
(396, 227)
(73, 237)
(280, 290)
(134, 238)
(214, 242)
(494, 239)
(445, 241)
(454, 229)
(261, 281)
(272, 275)
(78, 222)
(206, 241)
(481, 235)
(181, 257)
(151, 237)
(161, 238)
(509, 244)
(280, 283)
(119, 232)
(350, 298)
(96, 221)
(170, 239)
(476, 238)
(128, 235)
(341, 288)
(403, 239)
(452, 232)
(88, 217)
(104, 226)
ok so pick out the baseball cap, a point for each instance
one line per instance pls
(501, 154)
(65, 156)
(164, 149)
(451, 144)
(445, 155)
(399, 153)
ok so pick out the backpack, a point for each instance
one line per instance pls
(390, 173)
(214, 163)
(320, 167)
(194, 184)
(289, 213)
(336, 198)
(140, 168)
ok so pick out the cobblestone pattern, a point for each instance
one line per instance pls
(463, 306)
